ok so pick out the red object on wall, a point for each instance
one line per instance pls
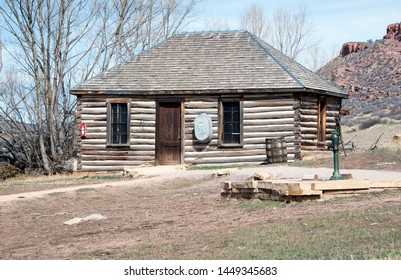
(83, 129)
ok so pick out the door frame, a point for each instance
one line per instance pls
(182, 127)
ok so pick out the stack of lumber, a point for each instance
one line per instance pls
(300, 189)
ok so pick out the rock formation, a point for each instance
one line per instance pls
(352, 47)
(393, 32)
(371, 75)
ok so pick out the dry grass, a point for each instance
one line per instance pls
(28, 183)
(349, 234)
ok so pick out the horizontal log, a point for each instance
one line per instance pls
(136, 110)
(143, 104)
(95, 124)
(142, 123)
(309, 107)
(142, 147)
(191, 118)
(305, 142)
(86, 117)
(143, 130)
(249, 121)
(190, 143)
(144, 117)
(308, 112)
(93, 141)
(94, 104)
(91, 130)
(95, 135)
(140, 135)
(86, 147)
(201, 102)
(308, 130)
(94, 111)
(196, 112)
(332, 114)
(248, 141)
(251, 110)
(100, 168)
(92, 99)
(259, 159)
(248, 135)
(139, 141)
(111, 163)
(108, 151)
(273, 115)
(268, 103)
(116, 158)
(269, 128)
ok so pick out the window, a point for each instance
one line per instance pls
(321, 119)
(118, 123)
(230, 132)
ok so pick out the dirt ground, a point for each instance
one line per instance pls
(147, 217)
(173, 208)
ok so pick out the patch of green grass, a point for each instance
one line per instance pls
(368, 234)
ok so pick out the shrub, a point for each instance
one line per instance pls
(369, 123)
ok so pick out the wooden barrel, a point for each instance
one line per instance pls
(276, 150)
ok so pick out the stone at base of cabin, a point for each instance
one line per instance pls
(130, 173)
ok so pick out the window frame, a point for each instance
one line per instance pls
(109, 135)
(221, 123)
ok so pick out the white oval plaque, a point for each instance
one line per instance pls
(203, 128)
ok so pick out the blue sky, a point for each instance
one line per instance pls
(335, 22)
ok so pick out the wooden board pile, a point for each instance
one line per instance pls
(299, 190)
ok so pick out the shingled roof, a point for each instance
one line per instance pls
(212, 62)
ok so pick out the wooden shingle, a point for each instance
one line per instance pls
(213, 62)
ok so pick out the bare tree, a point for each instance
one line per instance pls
(58, 43)
(292, 32)
(254, 20)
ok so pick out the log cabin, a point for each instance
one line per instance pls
(145, 111)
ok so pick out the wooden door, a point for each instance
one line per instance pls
(168, 141)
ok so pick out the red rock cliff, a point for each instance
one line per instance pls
(352, 47)
(393, 31)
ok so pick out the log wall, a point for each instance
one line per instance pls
(308, 121)
(264, 117)
(93, 153)
(275, 115)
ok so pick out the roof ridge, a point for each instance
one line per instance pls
(210, 32)
(257, 41)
